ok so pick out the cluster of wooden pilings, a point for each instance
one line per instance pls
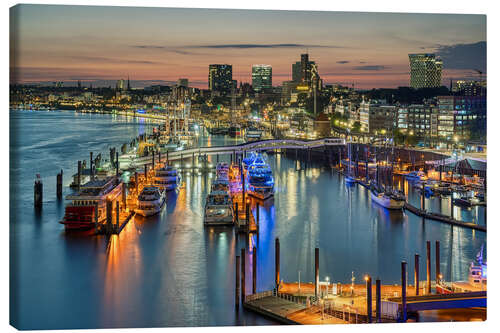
(240, 278)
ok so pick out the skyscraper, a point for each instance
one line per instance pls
(425, 70)
(296, 72)
(262, 77)
(220, 78)
(305, 68)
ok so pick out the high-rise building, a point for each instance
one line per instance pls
(296, 72)
(220, 78)
(425, 70)
(262, 77)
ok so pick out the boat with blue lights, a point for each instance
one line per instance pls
(166, 177)
(259, 179)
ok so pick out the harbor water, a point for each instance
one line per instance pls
(170, 270)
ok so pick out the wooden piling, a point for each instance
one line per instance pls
(124, 196)
(254, 270)
(59, 188)
(417, 274)
(377, 300)
(237, 285)
(428, 267)
(145, 172)
(438, 263)
(316, 272)
(79, 177)
(243, 266)
(277, 263)
(117, 225)
(91, 165)
(38, 193)
(369, 298)
(403, 291)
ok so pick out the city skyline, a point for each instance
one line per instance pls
(161, 45)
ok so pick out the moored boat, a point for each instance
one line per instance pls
(387, 199)
(150, 201)
(90, 200)
(218, 209)
(166, 177)
(260, 181)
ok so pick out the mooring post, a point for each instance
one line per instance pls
(403, 290)
(417, 273)
(153, 159)
(159, 156)
(277, 263)
(124, 196)
(237, 285)
(243, 266)
(316, 271)
(254, 270)
(96, 217)
(452, 208)
(167, 158)
(369, 298)
(145, 173)
(109, 212)
(136, 179)
(79, 177)
(377, 300)
(428, 267)
(422, 198)
(236, 210)
(38, 193)
(438, 263)
(257, 212)
(117, 168)
(247, 213)
(91, 165)
(117, 216)
(59, 182)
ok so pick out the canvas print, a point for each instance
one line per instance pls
(218, 167)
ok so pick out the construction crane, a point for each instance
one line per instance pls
(480, 72)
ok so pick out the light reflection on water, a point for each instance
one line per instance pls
(171, 271)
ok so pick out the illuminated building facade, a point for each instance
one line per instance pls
(262, 77)
(220, 78)
(425, 70)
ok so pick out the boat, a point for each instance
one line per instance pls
(349, 179)
(218, 209)
(476, 281)
(150, 201)
(253, 134)
(90, 200)
(387, 199)
(219, 185)
(259, 179)
(166, 177)
(247, 161)
(222, 171)
(465, 201)
(234, 131)
(415, 176)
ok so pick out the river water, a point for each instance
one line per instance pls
(171, 271)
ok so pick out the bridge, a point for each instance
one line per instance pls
(240, 148)
(436, 302)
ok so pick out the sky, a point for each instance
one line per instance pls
(159, 45)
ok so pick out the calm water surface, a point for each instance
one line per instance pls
(171, 271)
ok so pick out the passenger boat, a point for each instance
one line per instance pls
(387, 199)
(234, 131)
(260, 181)
(415, 176)
(218, 209)
(247, 161)
(150, 201)
(253, 134)
(80, 214)
(220, 185)
(477, 279)
(222, 171)
(166, 177)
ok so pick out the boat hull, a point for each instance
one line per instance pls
(387, 202)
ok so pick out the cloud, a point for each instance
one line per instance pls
(370, 68)
(113, 60)
(343, 62)
(463, 56)
(259, 46)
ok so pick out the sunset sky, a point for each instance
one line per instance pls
(160, 45)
